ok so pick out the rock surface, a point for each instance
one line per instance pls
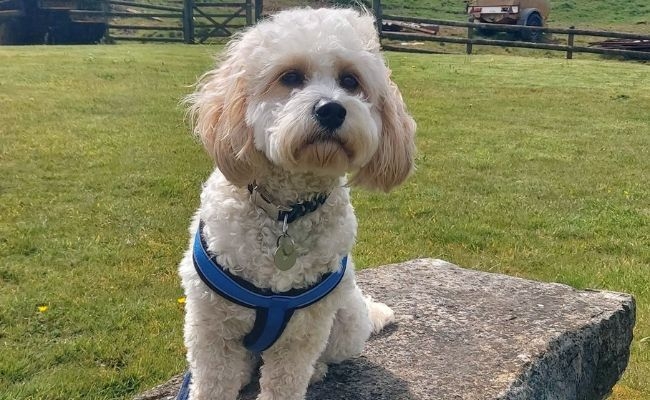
(469, 335)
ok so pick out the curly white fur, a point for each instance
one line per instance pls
(260, 129)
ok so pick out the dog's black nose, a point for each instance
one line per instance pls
(329, 114)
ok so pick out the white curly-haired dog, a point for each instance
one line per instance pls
(299, 101)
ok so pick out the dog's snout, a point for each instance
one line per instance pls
(329, 114)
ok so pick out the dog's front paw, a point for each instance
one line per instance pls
(380, 315)
(320, 370)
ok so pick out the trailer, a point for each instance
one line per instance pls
(512, 12)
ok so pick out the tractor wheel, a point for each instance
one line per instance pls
(533, 19)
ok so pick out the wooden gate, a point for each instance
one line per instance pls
(188, 21)
(204, 20)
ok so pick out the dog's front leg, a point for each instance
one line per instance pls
(220, 366)
(289, 363)
(355, 321)
(219, 370)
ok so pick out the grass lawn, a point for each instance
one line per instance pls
(527, 166)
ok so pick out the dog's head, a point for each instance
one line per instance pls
(308, 91)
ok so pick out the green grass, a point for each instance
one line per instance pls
(99, 180)
(527, 166)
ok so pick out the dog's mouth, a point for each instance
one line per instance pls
(324, 136)
(325, 150)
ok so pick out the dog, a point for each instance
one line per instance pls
(301, 108)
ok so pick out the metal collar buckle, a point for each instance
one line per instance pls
(262, 199)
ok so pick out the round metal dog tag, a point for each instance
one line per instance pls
(285, 255)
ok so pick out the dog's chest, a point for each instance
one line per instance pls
(245, 241)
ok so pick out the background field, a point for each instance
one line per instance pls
(632, 15)
(527, 166)
(564, 13)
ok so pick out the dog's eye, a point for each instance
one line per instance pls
(292, 78)
(348, 82)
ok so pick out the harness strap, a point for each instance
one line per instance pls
(272, 310)
(184, 391)
(268, 327)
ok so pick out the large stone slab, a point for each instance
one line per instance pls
(469, 335)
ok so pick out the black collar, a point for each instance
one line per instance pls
(263, 200)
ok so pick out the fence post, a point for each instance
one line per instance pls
(106, 8)
(249, 12)
(569, 53)
(470, 36)
(188, 21)
(376, 8)
(258, 9)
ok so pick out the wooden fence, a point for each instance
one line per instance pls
(10, 9)
(186, 21)
(192, 21)
(471, 27)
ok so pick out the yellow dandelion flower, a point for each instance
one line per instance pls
(180, 300)
(42, 308)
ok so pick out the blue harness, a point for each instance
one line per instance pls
(272, 310)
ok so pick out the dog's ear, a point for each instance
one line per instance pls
(218, 112)
(393, 161)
